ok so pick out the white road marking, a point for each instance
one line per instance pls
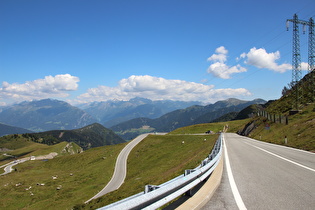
(236, 194)
(283, 158)
(276, 145)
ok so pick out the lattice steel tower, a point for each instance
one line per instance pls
(311, 57)
(311, 45)
(296, 56)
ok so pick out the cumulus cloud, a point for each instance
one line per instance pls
(224, 71)
(219, 68)
(304, 66)
(221, 55)
(221, 50)
(50, 86)
(157, 88)
(154, 88)
(260, 58)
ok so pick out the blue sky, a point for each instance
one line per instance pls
(97, 50)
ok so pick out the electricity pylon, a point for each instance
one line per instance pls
(311, 57)
(296, 56)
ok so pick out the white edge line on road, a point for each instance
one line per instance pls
(276, 145)
(278, 156)
(236, 194)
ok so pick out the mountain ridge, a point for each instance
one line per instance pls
(51, 114)
(183, 117)
(112, 112)
(94, 135)
(46, 114)
(7, 130)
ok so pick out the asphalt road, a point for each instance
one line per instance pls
(8, 167)
(120, 167)
(265, 176)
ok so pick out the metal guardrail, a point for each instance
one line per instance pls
(155, 196)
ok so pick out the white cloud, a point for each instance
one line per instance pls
(261, 59)
(219, 68)
(221, 50)
(157, 88)
(50, 86)
(223, 71)
(154, 88)
(304, 66)
(221, 55)
(217, 57)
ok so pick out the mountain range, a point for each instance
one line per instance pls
(49, 114)
(183, 117)
(113, 112)
(127, 118)
(44, 115)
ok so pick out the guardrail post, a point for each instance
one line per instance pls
(188, 171)
(149, 188)
(210, 156)
(203, 163)
(189, 193)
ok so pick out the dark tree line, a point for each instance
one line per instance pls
(45, 139)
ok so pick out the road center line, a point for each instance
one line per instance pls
(283, 158)
(236, 194)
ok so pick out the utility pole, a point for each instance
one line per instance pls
(296, 56)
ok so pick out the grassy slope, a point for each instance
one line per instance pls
(21, 147)
(300, 131)
(91, 170)
(154, 161)
(158, 159)
(234, 126)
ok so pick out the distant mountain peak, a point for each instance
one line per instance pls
(233, 99)
(45, 114)
(140, 100)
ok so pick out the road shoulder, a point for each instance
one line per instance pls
(206, 192)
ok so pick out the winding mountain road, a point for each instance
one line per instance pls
(8, 167)
(120, 167)
(259, 175)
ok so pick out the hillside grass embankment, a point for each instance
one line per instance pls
(299, 133)
(57, 183)
(157, 159)
(67, 181)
